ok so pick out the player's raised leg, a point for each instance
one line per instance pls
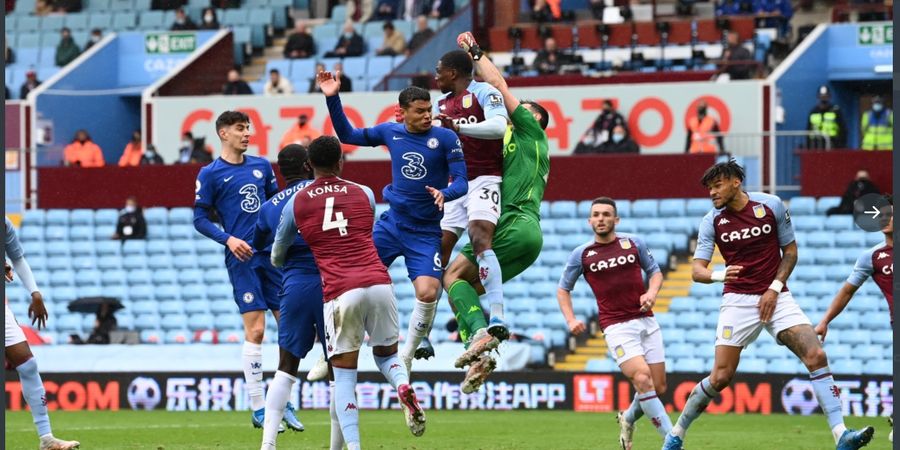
(802, 340)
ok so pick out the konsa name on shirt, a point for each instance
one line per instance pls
(327, 189)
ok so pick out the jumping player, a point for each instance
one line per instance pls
(518, 239)
(300, 300)
(476, 112)
(611, 264)
(235, 186)
(423, 158)
(754, 233)
(336, 217)
(18, 353)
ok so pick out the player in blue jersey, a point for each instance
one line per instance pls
(18, 353)
(423, 158)
(300, 305)
(235, 186)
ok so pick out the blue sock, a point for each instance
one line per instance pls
(656, 412)
(33, 390)
(699, 399)
(491, 277)
(634, 411)
(392, 369)
(829, 397)
(346, 407)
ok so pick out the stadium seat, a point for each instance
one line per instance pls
(839, 223)
(807, 223)
(823, 203)
(202, 321)
(34, 217)
(187, 262)
(808, 273)
(173, 322)
(222, 292)
(879, 367)
(134, 262)
(107, 248)
(56, 234)
(672, 207)
(57, 217)
(178, 336)
(850, 239)
(682, 304)
(231, 336)
(753, 365)
(845, 366)
(690, 365)
(81, 217)
(133, 247)
(150, 336)
(847, 320)
(644, 208)
(563, 209)
(152, 20)
(140, 292)
(673, 336)
(680, 350)
(181, 216)
(159, 262)
(170, 306)
(605, 365)
(168, 292)
(801, 206)
(157, 248)
(106, 217)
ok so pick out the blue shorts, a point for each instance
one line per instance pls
(302, 317)
(419, 245)
(256, 283)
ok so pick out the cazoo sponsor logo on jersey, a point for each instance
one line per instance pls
(615, 261)
(745, 233)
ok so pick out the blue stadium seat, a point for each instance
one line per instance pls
(659, 241)
(124, 321)
(173, 322)
(64, 294)
(874, 239)
(125, 20)
(879, 367)
(840, 222)
(58, 250)
(108, 248)
(114, 278)
(62, 278)
(644, 208)
(165, 277)
(159, 262)
(845, 366)
(88, 278)
(156, 216)
(709, 305)
(808, 273)
(605, 365)
(170, 306)
(856, 337)
(101, 20)
(563, 209)
(190, 276)
(81, 234)
(690, 365)
(177, 336)
(27, 40)
(133, 247)
(168, 292)
(59, 217)
(850, 239)
(196, 306)
(70, 323)
(698, 336)
(829, 256)
(134, 262)
(181, 216)
(569, 226)
(34, 217)
(223, 306)
(181, 232)
(681, 225)
(800, 206)
(56, 234)
(780, 365)
(157, 248)
(109, 262)
(847, 320)
(672, 335)
(227, 320)
(753, 365)
(222, 292)
(106, 217)
(208, 247)
(682, 304)
(649, 225)
(152, 20)
(705, 290)
(823, 203)
(140, 277)
(30, 235)
(865, 303)
(210, 262)
(200, 321)
(672, 207)
(690, 320)
(150, 336)
(81, 217)
(681, 350)
(147, 322)
(808, 223)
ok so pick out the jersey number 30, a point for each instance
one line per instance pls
(339, 221)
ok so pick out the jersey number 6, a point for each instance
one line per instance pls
(339, 221)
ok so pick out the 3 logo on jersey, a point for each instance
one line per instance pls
(415, 167)
(251, 202)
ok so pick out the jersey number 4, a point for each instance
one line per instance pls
(339, 221)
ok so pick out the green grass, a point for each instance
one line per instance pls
(467, 430)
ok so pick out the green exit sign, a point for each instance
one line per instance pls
(881, 34)
(170, 42)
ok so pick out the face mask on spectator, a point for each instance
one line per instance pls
(618, 137)
(186, 143)
(208, 18)
(877, 107)
(348, 34)
(129, 208)
(95, 39)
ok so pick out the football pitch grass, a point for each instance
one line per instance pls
(458, 430)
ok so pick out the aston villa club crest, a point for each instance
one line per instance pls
(620, 351)
(625, 243)
(467, 101)
(727, 332)
(759, 211)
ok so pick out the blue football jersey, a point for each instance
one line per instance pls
(236, 192)
(299, 256)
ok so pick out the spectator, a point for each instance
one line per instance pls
(827, 119)
(861, 185)
(878, 127)
(83, 152)
(67, 50)
(106, 322)
(780, 13)
(698, 133)
(387, 10)
(194, 151)
(235, 85)
(350, 44)
(225, 4)
(394, 44)
(620, 142)
(734, 7)
(133, 152)
(549, 59)
(346, 84)
(277, 85)
(300, 133)
(210, 21)
(151, 157)
(300, 44)
(131, 223)
(10, 56)
(31, 82)
(313, 84)
(546, 10)
(182, 21)
(43, 7)
(94, 38)
(736, 53)
(422, 35)
(441, 9)
(601, 131)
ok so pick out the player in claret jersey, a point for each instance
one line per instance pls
(754, 234)
(876, 262)
(335, 217)
(612, 263)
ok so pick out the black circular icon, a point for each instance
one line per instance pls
(872, 212)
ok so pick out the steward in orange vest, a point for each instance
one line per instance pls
(698, 133)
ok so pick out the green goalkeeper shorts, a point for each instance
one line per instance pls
(517, 243)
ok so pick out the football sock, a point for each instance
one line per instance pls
(829, 397)
(419, 325)
(276, 399)
(251, 356)
(634, 411)
(697, 402)
(392, 369)
(465, 299)
(33, 390)
(462, 327)
(656, 412)
(491, 277)
(337, 437)
(345, 407)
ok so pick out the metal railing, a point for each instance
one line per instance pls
(781, 147)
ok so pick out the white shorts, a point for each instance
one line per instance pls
(14, 333)
(481, 203)
(356, 312)
(637, 337)
(739, 323)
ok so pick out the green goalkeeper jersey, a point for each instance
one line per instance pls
(526, 165)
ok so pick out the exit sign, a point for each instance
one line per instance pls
(170, 42)
(882, 34)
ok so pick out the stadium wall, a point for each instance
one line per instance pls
(828, 173)
(572, 178)
(584, 392)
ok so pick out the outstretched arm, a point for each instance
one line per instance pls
(487, 70)
(330, 86)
